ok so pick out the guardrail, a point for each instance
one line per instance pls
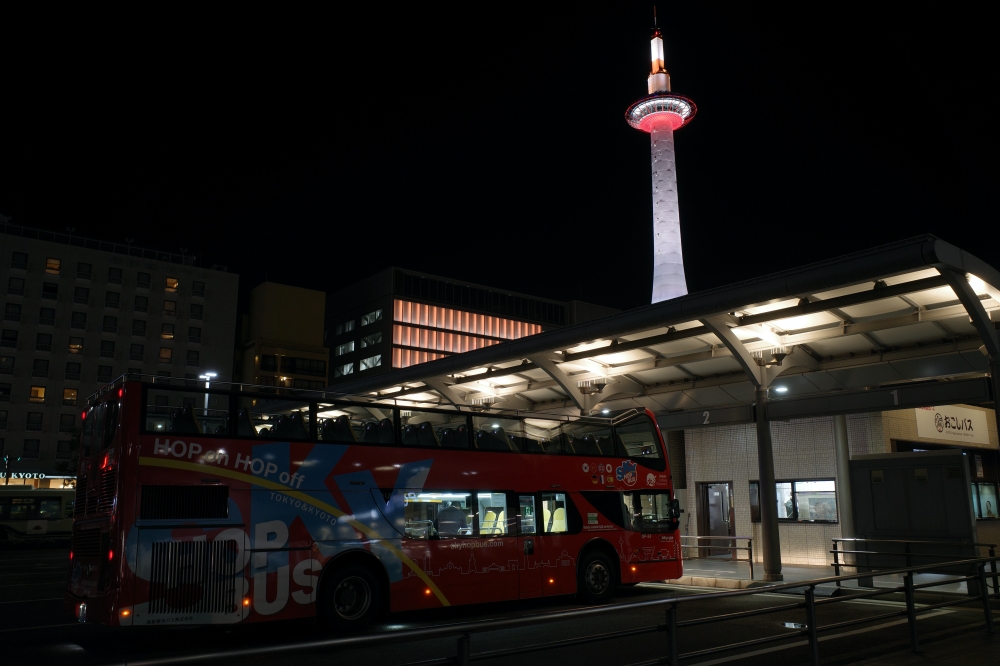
(907, 554)
(736, 558)
(464, 630)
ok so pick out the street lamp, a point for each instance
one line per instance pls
(208, 381)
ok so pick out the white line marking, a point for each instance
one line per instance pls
(777, 648)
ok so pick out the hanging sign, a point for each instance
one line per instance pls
(957, 424)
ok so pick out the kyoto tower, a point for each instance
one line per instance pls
(660, 113)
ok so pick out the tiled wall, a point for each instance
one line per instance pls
(802, 449)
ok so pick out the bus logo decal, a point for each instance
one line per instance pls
(626, 472)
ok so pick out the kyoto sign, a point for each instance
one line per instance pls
(958, 424)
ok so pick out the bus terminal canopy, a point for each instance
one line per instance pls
(908, 324)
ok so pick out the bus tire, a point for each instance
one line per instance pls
(351, 597)
(596, 583)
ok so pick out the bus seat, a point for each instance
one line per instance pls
(426, 435)
(546, 520)
(531, 445)
(370, 432)
(183, 422)
(587, 446)
(501, 523)
(244, 427)
(558, 520)
(386, 433)
(489, 524)
(494, 440)
(341, 430)
(449, 439)
(290, 426)
(410, 437)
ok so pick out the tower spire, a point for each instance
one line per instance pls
(660, 113)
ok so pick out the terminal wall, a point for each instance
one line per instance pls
(803, 449)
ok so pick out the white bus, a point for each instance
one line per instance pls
(27, 512)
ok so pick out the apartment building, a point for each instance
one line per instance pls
(78, 312)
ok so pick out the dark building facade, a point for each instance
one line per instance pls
(398, 318)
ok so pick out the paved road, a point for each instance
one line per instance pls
(33, 627)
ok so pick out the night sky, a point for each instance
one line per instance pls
(487, 142)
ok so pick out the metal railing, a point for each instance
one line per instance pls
(907, 553)
(748, 548)
(464, 630)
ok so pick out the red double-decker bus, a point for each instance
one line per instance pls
(235, 504)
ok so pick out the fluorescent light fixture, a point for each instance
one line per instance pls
(605, 411)
(780, 389)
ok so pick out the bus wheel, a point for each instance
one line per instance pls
(352, 597)
(597, 578)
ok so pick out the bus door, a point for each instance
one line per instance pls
(555, 551)
(529, 567)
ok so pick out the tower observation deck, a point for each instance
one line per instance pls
(661, 113)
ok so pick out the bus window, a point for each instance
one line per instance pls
(278, 418)
(110, 422)
(588, 439)
(186, 412)
(96, 417)
(352, 424)
(554, 513)
(48, 508)
(434, 429)
(651, 512)
(491, 433)
(87, 438)
(637, 439)
(22, 508)
(492, 513)
(429, 515)
(526, 514)
(542, 436)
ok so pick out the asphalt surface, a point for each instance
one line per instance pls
(33, 627)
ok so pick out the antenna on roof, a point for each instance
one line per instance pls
(654, 16)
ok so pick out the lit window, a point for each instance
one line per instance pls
(37, 394)
(371, 317)
(372, 339)
(167, 331)
(345, 348)
(371, 362)
(172, 285)
(346, 327)
(76, 345)
(52, 266)
(807, 501)
(342, 370)
(69, 397)
(166, 354)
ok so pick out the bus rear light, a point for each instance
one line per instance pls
(125, 612)
(552, 581)
(633, 569)
(83, 416)
(427, 592)
(111, 555)
(71, 556)
(246, 602)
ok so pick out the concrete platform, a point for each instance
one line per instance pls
(736, 575)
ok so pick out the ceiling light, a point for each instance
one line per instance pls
(780, 389)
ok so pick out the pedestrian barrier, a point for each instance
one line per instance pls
(463, 631)
(715, 546)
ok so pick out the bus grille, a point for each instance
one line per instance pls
(87, 543)
(109, 478)
(184, 502)
(187, 575)
(81, 495)
(102, 581)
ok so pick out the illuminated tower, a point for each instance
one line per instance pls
(660, 113)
